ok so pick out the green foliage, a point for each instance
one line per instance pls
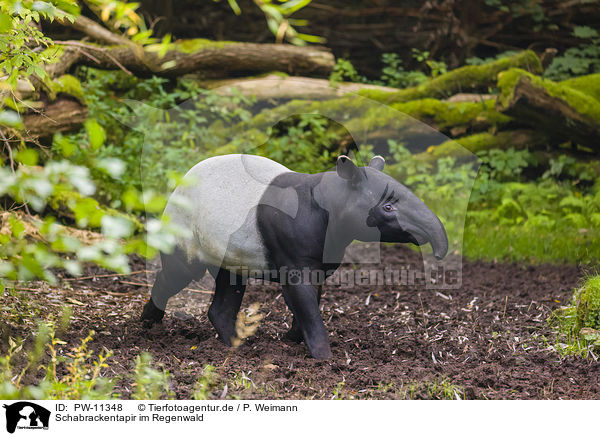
(505, 212)
(304, 143)
(22, 259)
(343, 70)
(435, 390)
(278, 15)
(180, 126)
(436, 68)
(482, 61)
(393, 73)
(77, 373)
(519, 8)
(587, 302)
(121, 17)
(20, 38)
(18, 57)
(578, 323)
(577, 61)
(106, 154)
(80, 372)
(150, 383)
(32, 247)
(205, 383)
(553, 219)
(502, 165)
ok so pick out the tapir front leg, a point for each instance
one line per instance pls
(294, 333)
(303, 301)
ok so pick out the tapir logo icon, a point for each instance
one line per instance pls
(26, 415)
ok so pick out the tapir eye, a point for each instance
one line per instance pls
(388, 207)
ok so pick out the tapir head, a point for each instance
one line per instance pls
(373, 206)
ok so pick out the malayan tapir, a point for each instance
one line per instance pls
(245, 211)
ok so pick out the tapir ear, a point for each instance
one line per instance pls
(347, 170)
(377, 162)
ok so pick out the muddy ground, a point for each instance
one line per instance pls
(487, 340)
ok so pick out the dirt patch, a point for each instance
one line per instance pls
(488, 339)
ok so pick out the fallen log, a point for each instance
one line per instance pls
(277, 86)
(63, 114)
(468, 78)
(589, 84)
(465, 148)
(417, 124)
(208, 59)
(562, 112)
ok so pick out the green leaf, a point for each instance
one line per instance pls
(164, 45)
(572, 203)
(73, 267)
(64, 144)
(585, 32)
(311, 38)
(95, 132)
(27, 156)
(113, 166)
(44, 7)
(5, 22)
(17, 227)
(116, 227)
(10, 118)
(577, 220)
(234, 7)
(292, 6)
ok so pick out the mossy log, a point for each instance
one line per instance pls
(417, 124)
(468, 78)
(562, 112)
(63, 114)
(466, 147)
(472, 112)
(208, 59)
(58, 105)
(211, 58)
(589, 84)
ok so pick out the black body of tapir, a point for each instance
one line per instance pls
(249, 212)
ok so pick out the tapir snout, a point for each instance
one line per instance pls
(424, 227)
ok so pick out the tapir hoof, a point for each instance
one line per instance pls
(151, 314)
(294, 334)
(321, 352)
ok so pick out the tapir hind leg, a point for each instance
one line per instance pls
(223, 311)
(176, 274)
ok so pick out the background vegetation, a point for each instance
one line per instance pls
(105, 105)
